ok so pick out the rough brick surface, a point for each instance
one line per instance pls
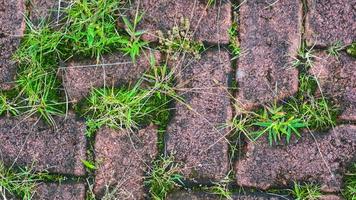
(55, 191)
(51, 10)
(30, 142)
(209, 24)
(12, 27)
(267, 166)
(79, 77)
(195, 134)
(270, 35)
(329, 21)
(12, 21)
(123, 158)
(337, 78)
(189, 195)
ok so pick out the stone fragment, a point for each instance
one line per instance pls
(270, 36)
(50, 10)
(330, 21)
(28, 141)
(337, 79)
(79, 77)
(330, 197)
(8, 46)
(322, 160)
(123, 158)
(207, 23)
(63, 191)
(196, 135)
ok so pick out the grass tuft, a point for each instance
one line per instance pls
(163, 178)
(306, 192)
(351, 50)
(234, 40)
(349, 191)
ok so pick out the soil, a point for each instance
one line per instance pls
(270, 34)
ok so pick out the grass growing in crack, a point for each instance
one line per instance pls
(305, 57)
(306, 192)
(88, 29)
(180, 39)
(278, 124)
(335, 49)
(164, 177)
(221, 188)
(91, 29)
(349, 190)
(351, 50)
(234, 40)
(21, 183)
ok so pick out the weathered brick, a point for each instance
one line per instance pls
(123, 158)
(51, 10)
(12, 27)
(63, 191)
(196, 134)
(28, 141)
(330, 21)
(79, 77)
(209, 24)
(190, 195)
(337, 79)
(270, 36)
(322, 160)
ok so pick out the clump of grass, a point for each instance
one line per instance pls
(164, 177)
(221, 188)
(335, 49)
(277, 124)
(91, 29)
(21, 183)
(306, 192)
(305, 57)
(234, 41)
(179, 39)
(351, 50)
(349, 191)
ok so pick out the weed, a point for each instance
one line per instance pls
(351, 50)
(305, 57)
(234, 41)
(164, 177)
(21, 183)
(7, 106)
(334, 49)
(221, 188)
(211, 2)
(90, 27)
(349, 191)
(306, 192)
(179, 39)
(277, 124)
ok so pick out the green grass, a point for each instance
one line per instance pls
(305, 57)
(306, 192)
(351, 50)
(163, 178)
(234, 40)
(335, 49)
(19, 183)
(349, 190)
(221, 188)
(88, 29)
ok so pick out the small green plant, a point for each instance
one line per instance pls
(351, 50)
(306, 192)
(221, 188)
(335, 49)
(211, 2)
(7, 106)
(277, 124)
(305, 57)
(164, 176)
(234, 41)
(179, 39)
(349, 191)
(21, 183)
